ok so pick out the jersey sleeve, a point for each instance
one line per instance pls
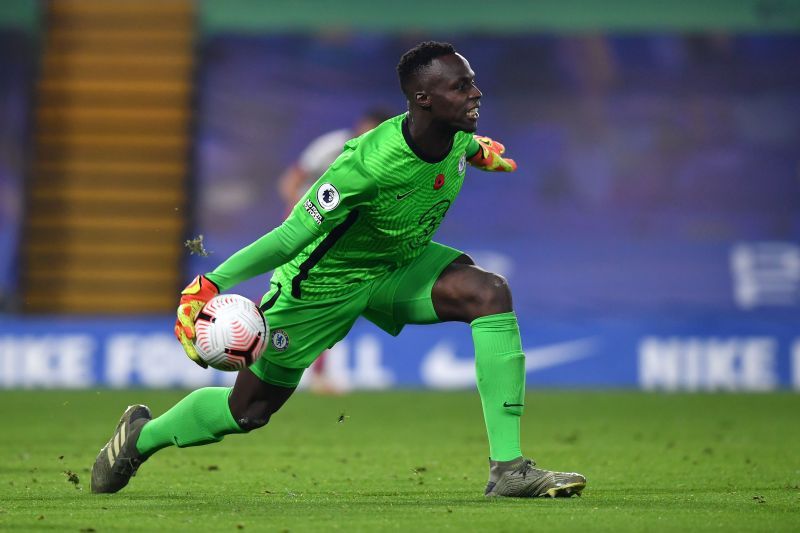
(277, 247)
(345, 186)
(472, 147)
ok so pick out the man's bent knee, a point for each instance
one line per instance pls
(494, 296)
(252, 401)
(252, 418)
(465, 292)
(249, 424)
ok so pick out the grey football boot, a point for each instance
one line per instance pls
(119, 459)
(518, 478)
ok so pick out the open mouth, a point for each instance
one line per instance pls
(473, 114)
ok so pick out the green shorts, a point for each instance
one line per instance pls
(302, 329)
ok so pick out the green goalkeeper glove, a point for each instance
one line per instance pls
(489, 156)
(193, 298)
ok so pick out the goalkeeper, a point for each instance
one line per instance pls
(358, 243)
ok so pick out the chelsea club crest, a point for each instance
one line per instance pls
(280, 340)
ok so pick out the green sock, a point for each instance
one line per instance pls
(500, 369)
(200, 418)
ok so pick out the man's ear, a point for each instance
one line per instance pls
(422, 99)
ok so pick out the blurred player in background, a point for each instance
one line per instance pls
(314, 160)
(359, 243)
(320, 153)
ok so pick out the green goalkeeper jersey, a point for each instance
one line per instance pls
(374, 210)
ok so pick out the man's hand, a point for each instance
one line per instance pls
(489, 156)
(193, 298)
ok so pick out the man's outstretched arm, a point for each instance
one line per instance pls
(267, 253)
(346, 186)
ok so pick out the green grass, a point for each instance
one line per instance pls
(413, 461)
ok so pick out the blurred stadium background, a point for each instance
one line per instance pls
(651, 236)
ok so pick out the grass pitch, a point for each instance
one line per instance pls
(413, 461)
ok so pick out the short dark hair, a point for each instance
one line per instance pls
(418, 58)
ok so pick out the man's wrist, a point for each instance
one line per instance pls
(215, 282)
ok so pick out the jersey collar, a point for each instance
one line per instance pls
(414, 148)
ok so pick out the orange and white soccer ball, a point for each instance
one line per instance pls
(230, 332)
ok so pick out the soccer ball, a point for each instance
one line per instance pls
(230, 332)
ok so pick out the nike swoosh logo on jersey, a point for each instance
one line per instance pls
(403, 196)
(506, 404)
